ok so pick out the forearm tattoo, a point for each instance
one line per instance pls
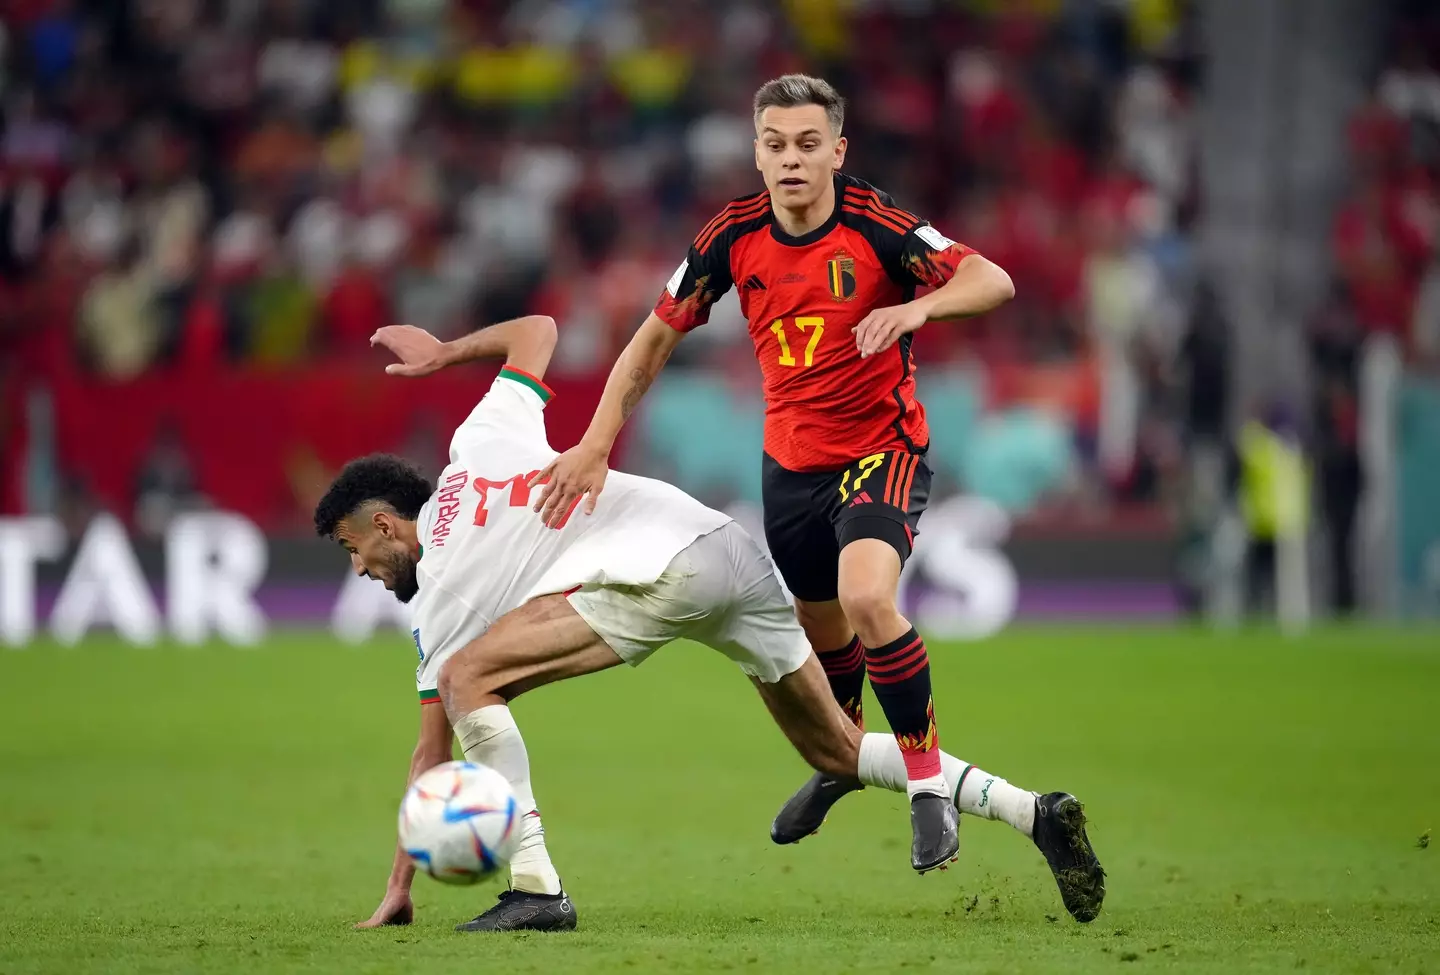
(639, 383)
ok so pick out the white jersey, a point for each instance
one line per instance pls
(484, 552)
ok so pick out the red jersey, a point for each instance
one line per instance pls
(825, 407)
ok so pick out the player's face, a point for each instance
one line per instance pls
(377, 551)
(798, 153)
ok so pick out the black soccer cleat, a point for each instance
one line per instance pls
(935, 823)
(1060, 835)
(520, 910)
(803, 812)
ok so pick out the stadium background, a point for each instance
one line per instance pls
(208, 207)
(1215, 394)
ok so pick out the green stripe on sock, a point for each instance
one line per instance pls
(963, 775)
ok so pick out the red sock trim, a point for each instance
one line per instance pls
(876, 659)
(900, 666)
(921, 765)
(846, 660)
(921, 662)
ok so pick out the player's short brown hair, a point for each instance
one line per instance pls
(794, 90)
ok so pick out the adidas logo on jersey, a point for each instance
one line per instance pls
(862, 498)
(753, 283)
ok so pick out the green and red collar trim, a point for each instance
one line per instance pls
(525, 379)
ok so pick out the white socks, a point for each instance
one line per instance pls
(979, 793)
(991, 797)
(489, 736)
(935, 785)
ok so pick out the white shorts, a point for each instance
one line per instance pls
(721, 591)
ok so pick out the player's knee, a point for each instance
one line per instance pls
(870, 608)
(464, 674)
(824, 624)
(450, 680)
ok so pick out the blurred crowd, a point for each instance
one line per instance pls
(1386, 275)
(1386, 261)
(210, 184)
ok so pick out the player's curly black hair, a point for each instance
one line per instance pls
(378, 477)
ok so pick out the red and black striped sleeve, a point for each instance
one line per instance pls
(911, 251)
(704, 276)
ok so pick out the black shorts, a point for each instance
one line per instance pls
(810, 517)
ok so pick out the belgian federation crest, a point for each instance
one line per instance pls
(840, 273)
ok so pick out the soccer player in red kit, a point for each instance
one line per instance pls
(827, 267)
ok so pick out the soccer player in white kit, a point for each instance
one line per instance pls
(503, 603)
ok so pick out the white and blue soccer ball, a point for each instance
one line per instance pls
(460, 823)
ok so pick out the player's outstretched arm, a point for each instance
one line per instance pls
(580, 471)
(432, 749)
(525, 343)
(977, 286)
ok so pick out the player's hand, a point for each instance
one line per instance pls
(395, 909)
(578, 473)
(881, 328)
(419, 352)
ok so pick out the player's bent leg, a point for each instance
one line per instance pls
(824, 738)
(895, 655)
(899, 670)
(763, 637)
(802, 707)
(541, 642)
(801, 704)
(842, 656)
(806, 553)
(489, 736)
(869, 577)
(840, 651)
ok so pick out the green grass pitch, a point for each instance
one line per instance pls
(1259, 803)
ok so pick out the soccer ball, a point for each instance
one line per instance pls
(460, 823)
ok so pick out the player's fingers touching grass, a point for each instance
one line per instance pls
(395, 910)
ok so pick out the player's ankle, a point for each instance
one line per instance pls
(932, 785)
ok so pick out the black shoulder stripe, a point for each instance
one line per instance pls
(884, 239)
(738, 205)
(735, 229)
(898, 222)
